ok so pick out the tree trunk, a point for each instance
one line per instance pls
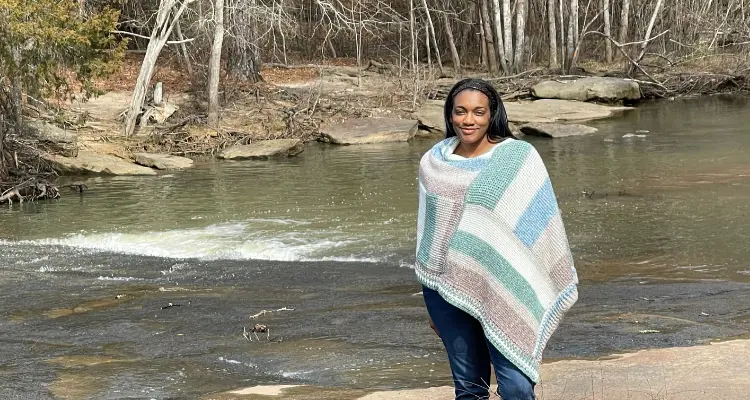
(483, 53)
(243, 52)
(17, 93)
(520, 31)
(491, 59)
(428, 48)
(3, 169)
(467, 35)
(413, 37)
(500, 43)
(165, 22)
(214, 65)
(624, 21)
(183, 48)
(431, 26)
(508, 28)
(452, 44)
(552, 33)
(607, 31)
(563, 51)
(648, 31)
(572, 34)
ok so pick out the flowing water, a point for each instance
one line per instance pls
(660, 195)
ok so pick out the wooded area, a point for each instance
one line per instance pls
(47, 44)
(500, 36)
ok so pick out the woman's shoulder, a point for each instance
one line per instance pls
(440, 147)
(445, 143)
(519, 145)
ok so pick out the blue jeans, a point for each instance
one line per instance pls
(470, 355)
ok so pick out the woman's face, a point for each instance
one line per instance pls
(471, 116)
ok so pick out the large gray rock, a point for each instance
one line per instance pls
(557, 130)
(548, 111)
(264, 149)
(591, 88)
(162, 161)
(53, 139)
(430, 116)
(88, 163)
(369, 130)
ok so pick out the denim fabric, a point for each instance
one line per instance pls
(470, 355)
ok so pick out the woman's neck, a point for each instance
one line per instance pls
(472, 150)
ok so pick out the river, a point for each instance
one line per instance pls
(656, 206)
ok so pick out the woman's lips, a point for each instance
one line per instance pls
(468, 131)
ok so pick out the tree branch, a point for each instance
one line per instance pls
(149, 38)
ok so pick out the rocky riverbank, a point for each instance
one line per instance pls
(335, 104)
(99, 148)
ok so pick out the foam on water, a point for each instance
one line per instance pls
(229, 241)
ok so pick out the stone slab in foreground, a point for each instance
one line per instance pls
(89, 163)
(369, 130)
(264, 149)
(711, 372)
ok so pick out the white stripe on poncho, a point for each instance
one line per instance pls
(491, 241)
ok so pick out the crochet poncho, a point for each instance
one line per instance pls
(491, 241)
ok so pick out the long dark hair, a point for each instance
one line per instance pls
(498, 129)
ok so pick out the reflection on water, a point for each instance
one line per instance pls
(662, 192)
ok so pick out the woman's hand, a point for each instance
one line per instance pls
(432, 325)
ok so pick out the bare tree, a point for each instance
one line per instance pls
(552, 33)
(431, 26)
(520, 31)
(488, 37)
(500, 43)
(508, 28)
(166, 19)
(244, 53)
(624, 21)
(650, 27)
(572, 34)
(607, 30)
(483, 52)
(452, 44)
(214, 66)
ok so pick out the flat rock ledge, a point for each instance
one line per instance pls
(557, 130)
(264, 149)
(369, 130)
(430, 114)
(90, 163)
(162, 161)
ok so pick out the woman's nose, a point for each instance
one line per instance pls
(469, 119)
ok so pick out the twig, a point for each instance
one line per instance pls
(147, 37)
(264, 312)
(504, 78)
(624, 53)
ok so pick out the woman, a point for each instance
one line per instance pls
(492, 253)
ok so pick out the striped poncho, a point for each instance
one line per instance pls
(491, 241)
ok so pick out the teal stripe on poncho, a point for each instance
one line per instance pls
(491, 241)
